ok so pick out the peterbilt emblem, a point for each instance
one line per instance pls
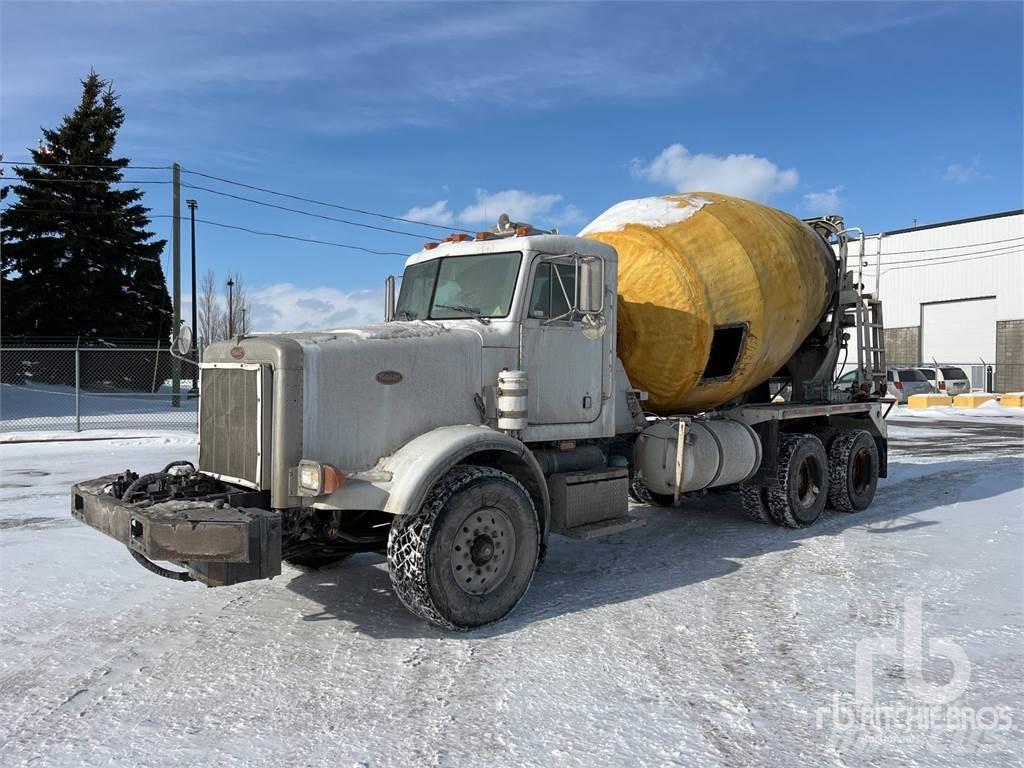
(237, 352)
(389, 377)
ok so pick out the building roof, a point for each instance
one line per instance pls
(1017, 212)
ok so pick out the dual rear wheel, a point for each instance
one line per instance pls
(844, 476)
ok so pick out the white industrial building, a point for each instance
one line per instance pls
(953, 294)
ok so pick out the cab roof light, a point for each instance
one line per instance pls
(458, 238)
(483, 235)
(429, 246)
(522, 231)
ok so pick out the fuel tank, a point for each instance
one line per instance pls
(715, 294)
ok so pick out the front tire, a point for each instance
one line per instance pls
(802, 490)
(467, 556)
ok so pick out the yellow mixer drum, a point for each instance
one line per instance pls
(715, 294)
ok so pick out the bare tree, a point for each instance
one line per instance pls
(236, 299)
(210, 315)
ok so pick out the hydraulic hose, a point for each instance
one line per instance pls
(149, 565)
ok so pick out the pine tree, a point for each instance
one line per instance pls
(78, 258)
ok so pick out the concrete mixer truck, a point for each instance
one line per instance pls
(526, 383)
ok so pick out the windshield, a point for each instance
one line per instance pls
(459, 286)
(929, 373)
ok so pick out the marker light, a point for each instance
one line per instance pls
(316, 479)
(429, 246)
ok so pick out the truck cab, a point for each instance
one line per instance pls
(539, 303)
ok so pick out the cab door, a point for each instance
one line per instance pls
(565, 367)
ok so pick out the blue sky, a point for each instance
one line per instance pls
(458, 112)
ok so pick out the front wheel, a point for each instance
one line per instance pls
(468, 555)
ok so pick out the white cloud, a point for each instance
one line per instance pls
(822, 203)
(959, 173)
(542, 210)
(519, 205)
(437, 213)
(288, 307)
(749, 176)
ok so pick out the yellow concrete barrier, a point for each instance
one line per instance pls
(928, 401)
(972, 399)
(1012, 399)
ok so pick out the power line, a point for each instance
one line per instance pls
(51, 180)
(949, 256)
(949, 247)
(944, 263)
(229, 226)
(350, 209)
(301, 239)
(306, 213)
(30, 164)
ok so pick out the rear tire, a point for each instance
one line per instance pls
(467, 556)
(802, 490)
(754, 500)
(852, 471)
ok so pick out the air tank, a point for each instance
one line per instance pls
(715, 295)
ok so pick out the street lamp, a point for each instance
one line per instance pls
(192, 205)
(231, 308)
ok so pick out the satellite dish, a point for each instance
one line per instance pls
(594, 326)
(183, 341)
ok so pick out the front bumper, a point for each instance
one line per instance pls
(219, 544)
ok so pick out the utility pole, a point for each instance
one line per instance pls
(176, 254)
(192, 205)
(231, 308)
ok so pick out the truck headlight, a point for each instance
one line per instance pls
(318, 479)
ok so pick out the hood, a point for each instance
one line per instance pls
(367, 390)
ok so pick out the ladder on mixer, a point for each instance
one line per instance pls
(870, 334)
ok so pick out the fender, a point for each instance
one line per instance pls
(399, 483)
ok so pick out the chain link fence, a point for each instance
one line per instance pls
(87, 388)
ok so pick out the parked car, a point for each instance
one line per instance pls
(904, 382)
(845, 382)
(947, 380)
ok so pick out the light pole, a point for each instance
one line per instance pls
(231, 308)
(192, 205)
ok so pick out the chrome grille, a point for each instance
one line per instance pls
(230, 423)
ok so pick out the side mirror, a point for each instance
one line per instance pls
(182, 343)
(389, 298)
(590, 285)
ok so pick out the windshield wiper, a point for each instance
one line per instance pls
(473, 312)
(408, 315)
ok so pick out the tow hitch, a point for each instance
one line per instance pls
(219, 534)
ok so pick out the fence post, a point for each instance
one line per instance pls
(78, 389)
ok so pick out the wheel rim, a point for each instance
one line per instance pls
(483, 551)
(808, 483)
(860, 471)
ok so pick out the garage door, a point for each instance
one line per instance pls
(959, 331)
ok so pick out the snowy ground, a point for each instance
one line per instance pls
(702, 639)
